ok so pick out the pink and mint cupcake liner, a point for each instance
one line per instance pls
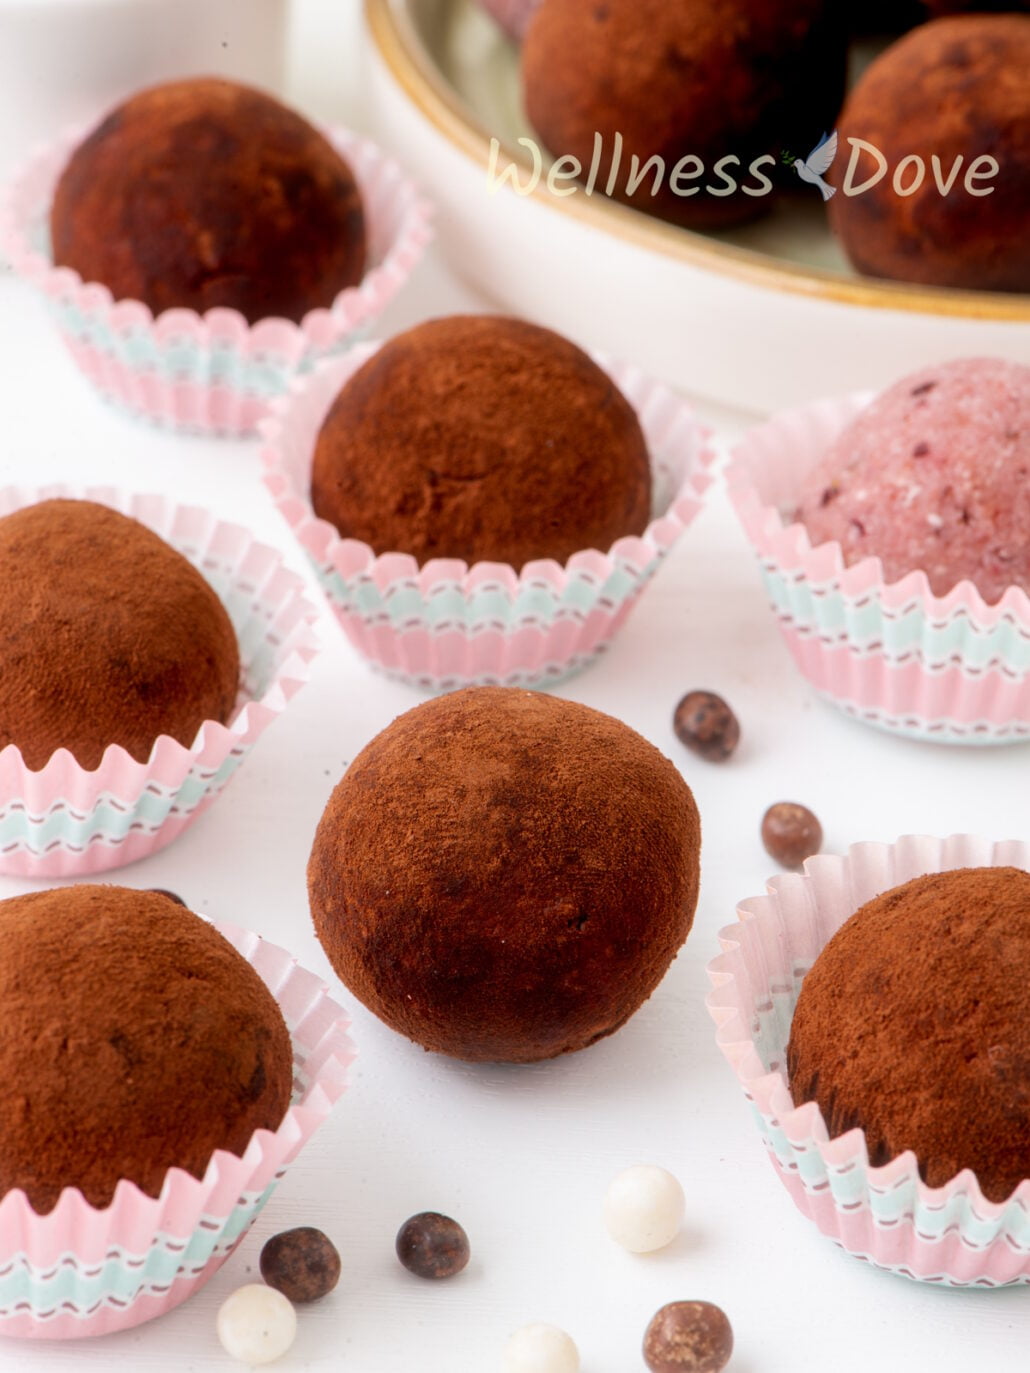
(950, 669)
(512, 15)
(212, 373)
(65, 821)
(948, 1235)
(445, 624)
(80, 1271)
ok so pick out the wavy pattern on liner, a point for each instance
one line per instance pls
(81, 1271)
(64, 820)
(446, 624)
(951, 669)
(887, 1215)
(212, 373)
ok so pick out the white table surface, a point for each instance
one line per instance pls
(522, 1156)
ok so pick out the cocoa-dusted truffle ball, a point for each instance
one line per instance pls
(504, 875)
(954, 90)
(134, 1039)
(700, 80)
(205, 193)
(109, 636)
(914, 1026)
(478, 437)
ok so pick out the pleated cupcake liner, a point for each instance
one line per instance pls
(81, 1271)
(210, 373)
(887, 1215)
(952, 668)
(64, 820)
(512, 15)
(446, 624)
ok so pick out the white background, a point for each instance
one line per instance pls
(522, 1156)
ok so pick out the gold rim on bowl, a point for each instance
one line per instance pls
(413, 70)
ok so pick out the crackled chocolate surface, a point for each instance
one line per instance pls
(205, 193)
(504, 875)
(480, 437)
(134, 1038)
(913, 1026)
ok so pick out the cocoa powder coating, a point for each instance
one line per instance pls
(134, 1038)
(914, 1025)
(478, 437)
(504, 875)
(953, 88)
(205, 193)
(110, 636)
(690, 82)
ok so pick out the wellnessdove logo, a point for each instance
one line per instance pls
(633, 176)
(818, 161)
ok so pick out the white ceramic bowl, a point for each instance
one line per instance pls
(761, 318)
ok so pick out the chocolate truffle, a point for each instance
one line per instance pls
(109, 636)
(205, 193)
(478, 437)
(691, 83)
(504, 875)
(933, 476)
(134, 1039)
(954, 90)
(914, 1026)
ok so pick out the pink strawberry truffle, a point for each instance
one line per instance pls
(934, 476)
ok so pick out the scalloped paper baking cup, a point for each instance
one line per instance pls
(212, 373)
(79, 1271)
(445, 624)
(951, 669)
(949, 1235)
(63, 820)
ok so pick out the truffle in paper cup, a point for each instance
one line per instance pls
(81, 1271)
(949, 1235)
(951, 669)
(446, 624)
(64, 820)
(212, 373)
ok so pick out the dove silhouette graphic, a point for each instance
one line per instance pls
(818, 161)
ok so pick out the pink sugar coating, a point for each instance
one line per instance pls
(934, 476)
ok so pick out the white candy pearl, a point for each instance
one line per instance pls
(256, 1324)
(644, 1208)
(540, 1349)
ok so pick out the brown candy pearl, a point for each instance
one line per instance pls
(432, 1246)
(791, 833)
(688, 1337)
(706, 725)
(302, 1264)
